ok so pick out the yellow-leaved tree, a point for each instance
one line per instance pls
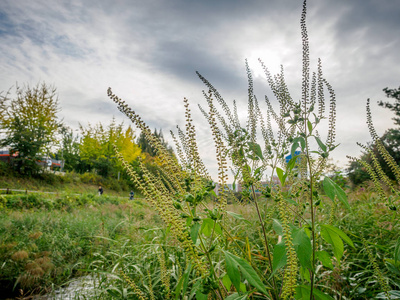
(97, 150)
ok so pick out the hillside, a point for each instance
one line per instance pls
(69, 183)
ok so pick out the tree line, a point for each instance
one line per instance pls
(31, 130)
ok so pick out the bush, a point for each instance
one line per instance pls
(71, 177)
(91, 178)
(26, 201)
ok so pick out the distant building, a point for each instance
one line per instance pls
(6, 157)
(275, 181)
(218, 187)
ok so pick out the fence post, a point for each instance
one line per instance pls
(8, 191)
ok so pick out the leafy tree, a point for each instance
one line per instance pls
(69, 151)
(148, 148)
(97, 147)
(395, 107)
(29, 123)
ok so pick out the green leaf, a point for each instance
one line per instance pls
(195, 291)
(246, 269)
(291, 201)
(238, 216)
(297, 142)
(325, 259)
(302, 142)
(331, 237)
(194, 232)
(305, 274)
(397, 251)
(309, 125)
(332, 189)
(277, 226)
(114, 292)
(208, 225)
(295, 145)
(279, 259)
(392, 294)
(392, 266)
(321, 144)
(242, 287)
(186, 278)
(256, 149)
(303, 293)
(334, 236)
(232, 270)
(339, 232)
(302, 245)
(201, 296)
(236, 296)
(227, 282)
(178, 288)
(281, 175)
(292, 162)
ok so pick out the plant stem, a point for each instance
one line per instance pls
(265, 236)
(211, 266)
(312, 225)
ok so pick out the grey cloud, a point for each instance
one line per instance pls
(149, 51)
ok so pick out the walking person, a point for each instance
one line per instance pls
(131, 195)
(100, 190)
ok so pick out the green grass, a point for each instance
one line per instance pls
(43, 246)
(69, 183)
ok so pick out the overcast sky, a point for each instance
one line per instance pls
(148, 52)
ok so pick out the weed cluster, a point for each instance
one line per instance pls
(60, 202)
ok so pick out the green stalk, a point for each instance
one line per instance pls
(243, 252)
(208, 257)
(265, 237)
(314, 245)
(212, 267)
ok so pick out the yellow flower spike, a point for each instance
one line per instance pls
(133, 285)
(150, 286)
(290, 277)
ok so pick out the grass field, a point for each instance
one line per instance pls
(47, 241)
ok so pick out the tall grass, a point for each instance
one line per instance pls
(41, 246)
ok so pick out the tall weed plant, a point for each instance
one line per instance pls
(295, 242)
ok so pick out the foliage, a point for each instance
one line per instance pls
(64, 201)
(395, 94)
(147, 147)
(69, 150)
(97, 147)
(29, 122)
